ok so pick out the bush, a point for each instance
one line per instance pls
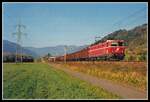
(135, 55)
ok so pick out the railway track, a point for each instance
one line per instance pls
(96, 62)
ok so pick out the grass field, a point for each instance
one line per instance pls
(126, 73)
(40, 81)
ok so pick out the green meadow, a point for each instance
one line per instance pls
(41, 81)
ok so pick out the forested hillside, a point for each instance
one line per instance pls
(136, 42)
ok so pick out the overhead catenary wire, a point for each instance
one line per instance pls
(133, 21)
(129, 16)
(123, 20)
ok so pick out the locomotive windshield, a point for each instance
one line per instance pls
(114, 44)
(117, 44)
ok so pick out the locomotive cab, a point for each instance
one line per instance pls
(115, 49)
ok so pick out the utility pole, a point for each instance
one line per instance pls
(19, 34)
(65, 50)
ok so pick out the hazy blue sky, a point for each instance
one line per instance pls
(50, 24)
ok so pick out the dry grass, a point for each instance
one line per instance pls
(133, 74)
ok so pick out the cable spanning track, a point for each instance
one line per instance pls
(133, 15)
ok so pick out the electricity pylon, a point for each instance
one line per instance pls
(19, 34)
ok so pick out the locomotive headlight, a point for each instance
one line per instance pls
(117, 49)
(106, 51)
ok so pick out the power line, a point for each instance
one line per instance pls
(131, 22)
(126, 18)
(130, 16)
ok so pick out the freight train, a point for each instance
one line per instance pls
(108, 50)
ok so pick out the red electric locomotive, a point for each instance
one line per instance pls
(111, 49)
(108, 50)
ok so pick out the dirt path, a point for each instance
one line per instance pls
(124, 92)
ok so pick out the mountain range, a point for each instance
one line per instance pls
(10, 47)
(56, 50)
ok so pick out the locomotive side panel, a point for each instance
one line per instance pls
(97, 50)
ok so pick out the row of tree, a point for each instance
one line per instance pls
(13, 58)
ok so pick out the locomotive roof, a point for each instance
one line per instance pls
(114, 40)
(105, 42)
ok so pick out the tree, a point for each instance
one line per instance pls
(49, 55)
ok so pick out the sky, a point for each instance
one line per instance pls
(52, 24)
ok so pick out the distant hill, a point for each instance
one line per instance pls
(136, 40)
(130, 36)
(56, 50)
(10, 48)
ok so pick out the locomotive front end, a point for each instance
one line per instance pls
(117, 50)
